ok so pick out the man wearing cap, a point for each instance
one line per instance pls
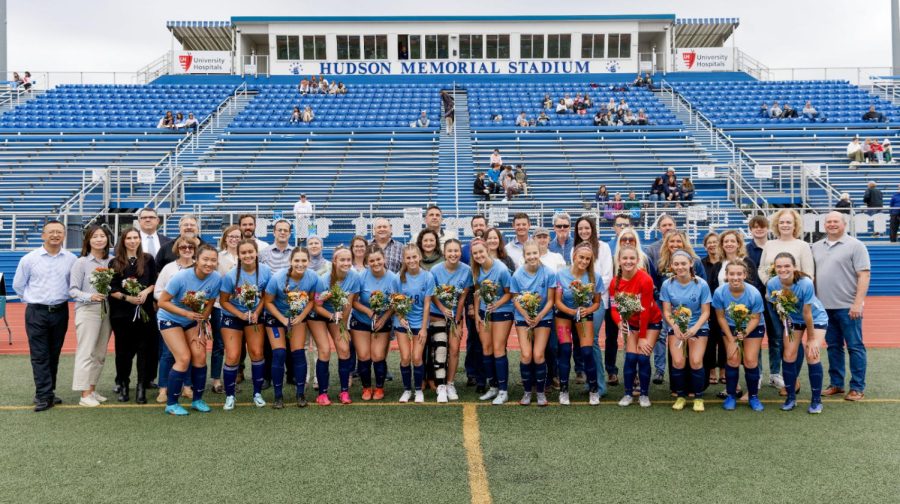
(303, 208)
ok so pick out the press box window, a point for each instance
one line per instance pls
(348, 47)
(559, 46)
(437, 46)
(593, 46)
(497, 47)
(314, 47)
(619, 45)
(287, 47)
(409, 47)
(471, 46)
(375, 47)
(531, 46)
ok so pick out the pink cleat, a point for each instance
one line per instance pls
(323, 400)
(345, 397)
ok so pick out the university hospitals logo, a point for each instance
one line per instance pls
(689, 58)
(185, 61)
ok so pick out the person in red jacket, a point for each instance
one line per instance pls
(642, 327)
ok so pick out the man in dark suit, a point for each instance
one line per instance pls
(148, 223)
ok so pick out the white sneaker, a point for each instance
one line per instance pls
(89, 402)
(502, 397)
(229, 403)
(258, 401)
(98, 397)
(490, 394)
(451, 392)
(404, 397)
(420, 396)
(594, 399)
(526, 399)
(644, 401)
(626, 400)
(541, 399)
(776, 380)
(564, 398)
(442, 393)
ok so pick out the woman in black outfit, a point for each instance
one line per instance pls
(715, 347)
(133, 336)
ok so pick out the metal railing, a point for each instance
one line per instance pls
(859, 76)
(162, 65)
(255, 65)
(750, 65)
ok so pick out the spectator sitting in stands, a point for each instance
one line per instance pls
(600, 118)
(642, 118)
(493, 182)
(480, 188)
(855, 151)
(522, 120)
(763, 111)
(26, 81)
(167, 122)
(617, 204)
(323, 84)
(303, 87)
(602, 195)
(629, 119)
(620, 116)
(638, 81)
(888, 152)
(657, 190)
(570, 103)
(588, 103)
(870, 116)
(613, 119)
(313, 84)
(422, 121)
(561, 106)
(295, 115)
(17, 80)
(342, 89)
(543, 119)
(775, 111)
(673, 191)
(623, 106)
(179, 121)
(877, 151)
(810, 112)
(307, 115)
(633, 206)
(522, 179)
(191, 123)
(333, 88)
(844, 204)
(648, 81)
(611, 104)
(496, 158)
(687, 190)
(510, 186)
(547, 104)
(868, 155)
(788, 112)
(497, 118)
(579, 107)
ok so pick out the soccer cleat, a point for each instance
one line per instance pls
(98, 397)
(541, 399)
(258, 401)
(451, 392)
(404, 397)
(501, 398)
(698, 406)
(201, 406)
(730, 403)
(594, 398)
(564, 398)
(490, 394)
(442, 393)
(367, 394)
(378, 394)
(644, 401)
(526, 399)
(776, 380)
(679, 404)
(345, 397)
(279, 403)
(755, 403)
(814, 408)
(301, 401)
(789, 404)
(229, 403)
(89, 401)
(419, 396)
(323, 400)
(176, 410)
(626, 400)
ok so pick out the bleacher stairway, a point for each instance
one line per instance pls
(217, 124)
(455, 161)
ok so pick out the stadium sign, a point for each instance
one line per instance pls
(202, 62)
(527, 67)
(704, 59)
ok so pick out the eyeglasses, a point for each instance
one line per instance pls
(186, 247)
(234, 237)
(149, 217)
(562, 226)
(624, 240)
(621, 225)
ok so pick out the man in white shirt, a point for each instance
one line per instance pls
(148, 223)
(515, 248)
(434, 220)
(303, 208)
(247, 223)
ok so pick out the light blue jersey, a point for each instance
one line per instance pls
(806, 295)
(389, 283)
(461, 279)
(417, 288)
(260, 278)
(498, 274)
(692, 296)
(751, 298)
(564, 279)
(542, 281)
(350, 284)
(186, 281)
(276, 287)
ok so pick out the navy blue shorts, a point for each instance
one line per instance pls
(168, 324)
(543, 323)
(759, 332)
(566, 316)
(802, 327)
(702, 333)
(269, 320)
(498, 317)
(358, 325)
(652, 326)
(413, 330)
(231, 322)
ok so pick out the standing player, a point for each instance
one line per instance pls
(493, 320)
(454, 273)
(418, 285)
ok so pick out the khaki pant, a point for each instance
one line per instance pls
(90, 353)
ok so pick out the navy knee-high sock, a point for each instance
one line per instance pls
(815, 380)
(590, 367)
(502, 365)
(229, 377)
(406, 374)
(789, 370)
(732, 373)
(364, 369)
(298, 358)
(257, 373)
(698, 380)
(644, 373)
(418, 376)
(198, 377)
(175, 384)
(563, 365)
(487, 367)
(380, 368)
(751, 376)
(629, 369)
(322, 376)
(278, 357)
(540, 377)
(525, 372)
(345, 367)
(677, 376)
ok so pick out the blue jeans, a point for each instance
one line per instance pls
(598, 354)
(842, 330)
(656, 197)
(550, 354)
(218, 347)
(775, 335)
(660, 351)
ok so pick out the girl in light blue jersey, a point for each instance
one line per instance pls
(441, 339)
(493, 335)
(418, 285)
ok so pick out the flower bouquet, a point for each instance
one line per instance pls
(448, 295)
(339, 300)
(402, 305)
(740, 315)
(785, 302)
(297, 301)
(487, 291)
(100, 280)
(134, 288)
(583, 294)
(682, 317)
(531, 303)
(196, 302)
(379, 303)
(628, 306)
(248, 295)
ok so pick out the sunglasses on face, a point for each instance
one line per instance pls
(562, 226)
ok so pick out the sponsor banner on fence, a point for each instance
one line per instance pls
(202, 62)
(705, 59)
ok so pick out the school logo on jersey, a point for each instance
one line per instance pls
(185, 61)
(689, 59)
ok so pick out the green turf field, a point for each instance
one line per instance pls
(407, 453)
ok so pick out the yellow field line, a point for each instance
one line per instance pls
(478, 484)
(463, 404)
